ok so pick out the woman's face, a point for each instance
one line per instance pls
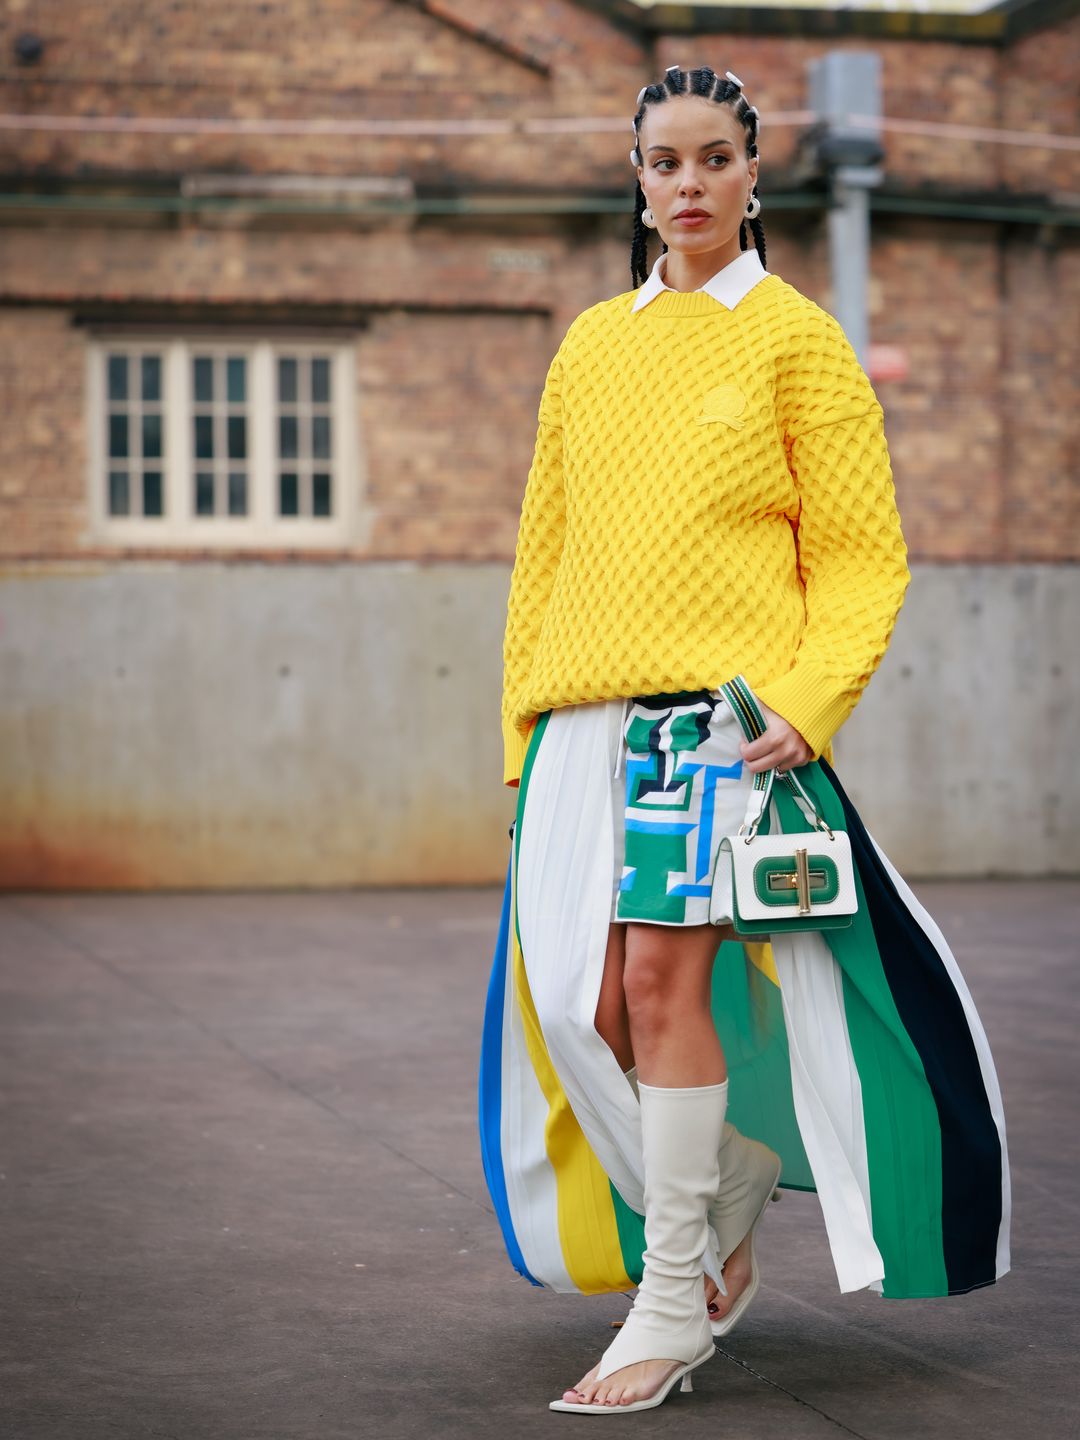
(694, 159)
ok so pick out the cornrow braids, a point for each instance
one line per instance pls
(725, 90)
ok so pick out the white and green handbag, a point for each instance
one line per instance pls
(773, 882)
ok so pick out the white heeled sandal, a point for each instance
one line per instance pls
(683, 1373)
(681, 1131)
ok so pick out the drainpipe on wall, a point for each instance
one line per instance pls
(845, 146)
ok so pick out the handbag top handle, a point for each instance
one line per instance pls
(741, 699)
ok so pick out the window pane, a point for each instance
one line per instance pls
(320, 381)
(118, 435)
(151, 493)
(151, 437)
(119, 494)
(237, 493)
(151, 377)
(237, 429)
(320, 437)
(289, 498)
(204, 493)
(236, 379)
(204, 437)
(287, 433)
(118, 377)
(286, 371)
(320, 494)
(204, 377)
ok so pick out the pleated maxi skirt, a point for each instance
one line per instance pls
(856, 1054)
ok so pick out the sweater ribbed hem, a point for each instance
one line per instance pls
(515, 746)
(808, 699)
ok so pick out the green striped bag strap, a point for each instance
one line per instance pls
(741, 699)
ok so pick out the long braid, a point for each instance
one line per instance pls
(705, 82)
(758, 232)
(639, 249)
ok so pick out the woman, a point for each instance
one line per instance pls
(709, 522)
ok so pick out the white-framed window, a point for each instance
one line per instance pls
(223, 440)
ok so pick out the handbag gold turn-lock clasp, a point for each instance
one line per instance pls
(799, 881)
(802, 881)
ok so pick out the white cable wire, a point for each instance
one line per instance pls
(556, 125)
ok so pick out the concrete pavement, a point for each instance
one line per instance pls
(242, 1195)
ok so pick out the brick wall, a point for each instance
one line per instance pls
(982, 433)
(1027, 86)
(43, 486)
(449, 403)
(367, 60)
(453, 343)
(293, 61)
(1039, 91)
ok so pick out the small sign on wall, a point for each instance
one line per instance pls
(530, 262)
(886, 362)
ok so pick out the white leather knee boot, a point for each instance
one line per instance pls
(749, 1172)
(680, 1135)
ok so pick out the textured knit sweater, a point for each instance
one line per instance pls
(710, 494)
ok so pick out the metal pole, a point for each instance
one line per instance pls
(845, 94)
(849, 251)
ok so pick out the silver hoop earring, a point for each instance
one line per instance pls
(648, 218)
(753, 208)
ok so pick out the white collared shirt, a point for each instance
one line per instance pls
(736, 279)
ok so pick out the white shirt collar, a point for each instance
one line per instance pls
(736, 279)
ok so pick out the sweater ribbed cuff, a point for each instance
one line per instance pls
(515, 746)
(808, 699)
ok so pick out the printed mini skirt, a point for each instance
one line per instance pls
(679, 786)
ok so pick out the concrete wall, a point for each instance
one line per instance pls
(232, 725)
(961, 755)
(205, 725)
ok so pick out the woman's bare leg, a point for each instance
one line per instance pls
(667, 983)
(613, 1025)
(612, 1021)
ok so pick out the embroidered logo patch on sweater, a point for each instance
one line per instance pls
(725, 403)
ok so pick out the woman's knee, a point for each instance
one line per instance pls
(663, 975)
(647, 983)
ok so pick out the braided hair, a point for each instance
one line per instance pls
(725, 90)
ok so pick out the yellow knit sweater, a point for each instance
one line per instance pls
(710, 494)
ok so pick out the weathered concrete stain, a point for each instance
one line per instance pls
(210, 726)
(207, 726)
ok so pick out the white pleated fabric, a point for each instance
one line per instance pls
(531, 1182)
(827, 1093)
(566, 865)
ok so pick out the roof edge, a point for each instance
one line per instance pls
(1000, 25)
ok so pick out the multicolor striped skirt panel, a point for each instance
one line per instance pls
(856, 1054)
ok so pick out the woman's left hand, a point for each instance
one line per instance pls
(780, 746)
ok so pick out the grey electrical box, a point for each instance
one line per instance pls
(846, 84)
